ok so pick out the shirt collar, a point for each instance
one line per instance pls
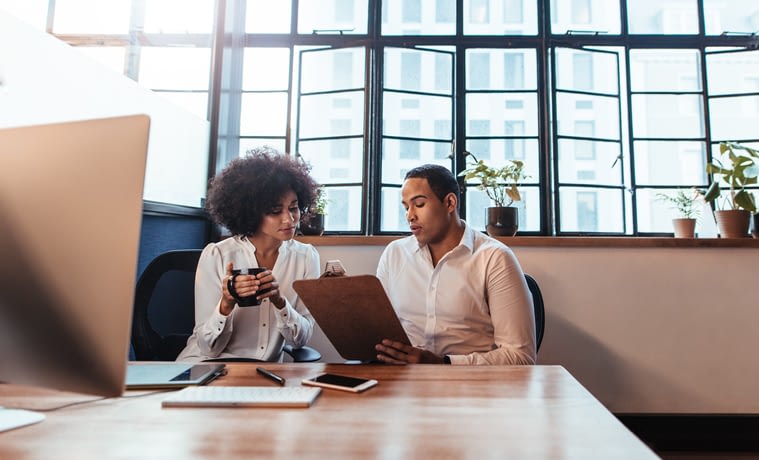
(467, 240)
(284, 247)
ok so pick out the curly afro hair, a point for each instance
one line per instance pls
(250, 186)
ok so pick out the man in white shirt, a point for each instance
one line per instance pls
(461, 296)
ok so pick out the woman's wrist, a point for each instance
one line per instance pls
(225, 307)
(277, 305)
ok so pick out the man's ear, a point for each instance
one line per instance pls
(450, 202)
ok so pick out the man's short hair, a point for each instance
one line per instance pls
(441, 179)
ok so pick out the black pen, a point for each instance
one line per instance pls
(271, 375)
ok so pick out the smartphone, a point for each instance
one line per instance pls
(340, 382)
(334, 268)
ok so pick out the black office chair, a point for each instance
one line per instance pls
(540, 314)
(164, 309)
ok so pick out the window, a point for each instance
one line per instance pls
(514, 147)
(479, 70)
(342, 69)
(513, 70)
(513, 11)
(582, 71)
(480, 147)
(410, 149)
(736, 16)
(339, 173)
(170, 55)
(323, 17)
(620, 118)
(412, 10)
(674, 17)
(341, 150)
(443, 132)
(411, 66)
(339, 202)
(581, 12)
(587, 214)
(445, 11)
(344, 11)
(443, 76)
(479, 11)
(585, 149)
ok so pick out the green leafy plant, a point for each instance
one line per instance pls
(683, 202)
(500, 184)
(742, 171)
(320, 205)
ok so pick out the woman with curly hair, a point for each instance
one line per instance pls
(259, 199)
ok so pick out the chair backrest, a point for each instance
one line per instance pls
(164, 310)
(537, 304)
(164, 306)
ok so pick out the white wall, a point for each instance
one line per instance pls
(646, 330)
(44, 80)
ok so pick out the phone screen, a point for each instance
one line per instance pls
(340, 380)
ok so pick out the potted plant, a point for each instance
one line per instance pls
(312, 222)
(732, 212)
(502, 186)
(686, 206)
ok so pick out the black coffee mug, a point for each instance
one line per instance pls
(251, 300)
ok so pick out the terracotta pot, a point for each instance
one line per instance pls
(312, 225)
(502, 221)
(732, 223)
(684, 227)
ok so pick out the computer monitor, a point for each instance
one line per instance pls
(70, 214)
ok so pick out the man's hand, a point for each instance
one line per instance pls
(392, 352)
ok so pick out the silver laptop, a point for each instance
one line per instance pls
(150, 375)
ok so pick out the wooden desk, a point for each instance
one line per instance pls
(421, 411)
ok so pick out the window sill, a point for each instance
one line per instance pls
(564, 241)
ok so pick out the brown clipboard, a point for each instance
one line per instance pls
(354, 313)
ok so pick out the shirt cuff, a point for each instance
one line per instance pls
(457, 359)
(218, 320)
(284, 315)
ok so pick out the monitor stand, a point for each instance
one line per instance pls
(16, 418)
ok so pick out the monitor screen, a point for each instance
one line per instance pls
(70, 213)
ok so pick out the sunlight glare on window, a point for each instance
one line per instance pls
(343, 17)
(110, 56)
(175, 68)
(34, 12)
(267, 16)
(266, 69)
(179, 16)
(76, 17)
